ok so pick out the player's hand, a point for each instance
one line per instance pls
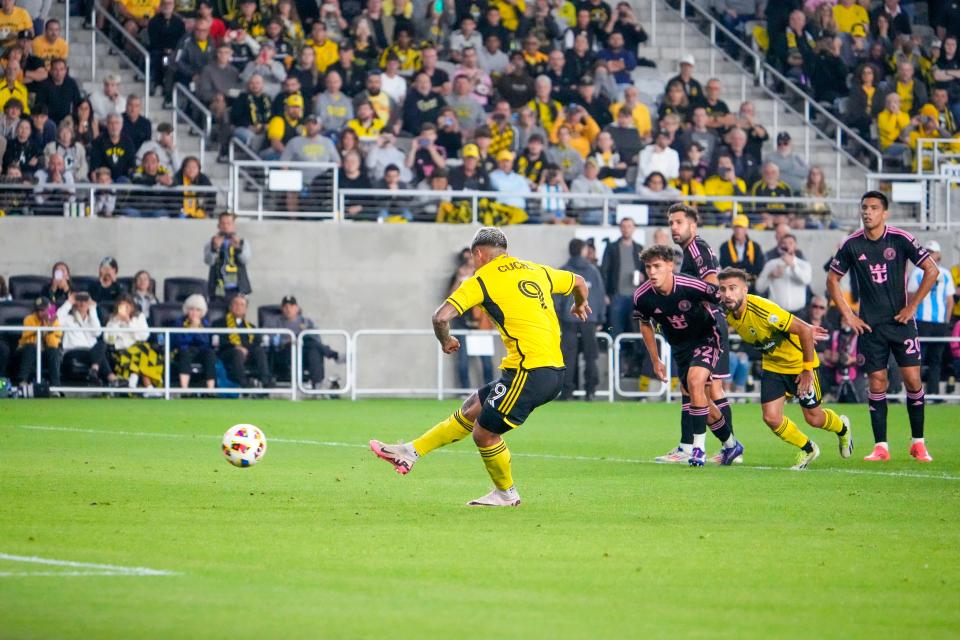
(820, 334)
(859, 325)
(906, 314)
(804, 384)
(660, 370)
(450, 345)
(581, 311)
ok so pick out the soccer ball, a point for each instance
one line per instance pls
(244, 445)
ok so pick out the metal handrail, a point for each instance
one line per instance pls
(665, 355)
(926, 179)
(145, 74)
(204, 131)
(236, 172)
(761, 67)
(306, 391)
(937, 155)
(238, 167)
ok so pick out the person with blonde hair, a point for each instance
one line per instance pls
(194, 347)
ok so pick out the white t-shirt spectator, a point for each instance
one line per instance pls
(786, 285)
(79, 339)
(652, 158)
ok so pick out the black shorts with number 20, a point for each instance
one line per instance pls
(774, 386)
(506, 403)
(899, 339)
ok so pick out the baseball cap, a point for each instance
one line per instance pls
(471, 151)
(311, 118)
(288, 300)
(295, 100)
(25, 34)
(932, 245)
(929, 111)
(686, 165)
(782, 137)
(741, 220)
(688, 59)
(858, 31)
(41, 303)
(504, 155)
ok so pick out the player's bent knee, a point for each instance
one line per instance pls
(484, 438)
(772, 420)
(470, 409)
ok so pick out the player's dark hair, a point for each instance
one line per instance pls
(732, 272)
(657, 252)
(687, 210)
(576, 247)
(882, 197)
(489, 237)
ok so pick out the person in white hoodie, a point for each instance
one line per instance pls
(134, 360)
(80, 312)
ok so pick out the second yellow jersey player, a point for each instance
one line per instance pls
(790, 367)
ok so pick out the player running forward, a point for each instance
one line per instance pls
(878, 255)
(700, 262)
(683, 309)
(515, 294)
(790, 366)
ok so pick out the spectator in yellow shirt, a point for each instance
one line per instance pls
(282, 129)
(13, 20)
(326, 50)
(891, 125)
(366, 124)
(687, 184)
(10, 87)
(848, 13)
(583, 129)
(44, 315)
(636, 108)
(50, 45)
(912, 91)
(725, 183)
(406, 53)
(135, 14)
(923, 126)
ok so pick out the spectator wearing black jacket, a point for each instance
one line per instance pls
(249, 115)
(421, 105)
(829, 72)
(896, 17)
(193, 54)
(114, 151)
(22, 151)
(791, 50)
(580, 336)
(136, 127)
(622, 272)
(471, 174)
(741, 252)
(516, 86)
(241, 350)
(165, 30)
(59, 92)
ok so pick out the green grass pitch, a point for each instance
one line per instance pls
(322, 540)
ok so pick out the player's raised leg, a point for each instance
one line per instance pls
(819, 417)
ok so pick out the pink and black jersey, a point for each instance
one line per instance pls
(699, 260)
(681, 315)
(880, 267)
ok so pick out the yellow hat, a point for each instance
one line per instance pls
(295, 100)
(471, 151)
(741, 220)
(504, 155)
(858, 30)
(929, 111)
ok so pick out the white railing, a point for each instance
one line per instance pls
(932, 194)
(82, 199)
(273, 181)
(203, 131)
(761, 69)
(663, 389)
(941, 162)
(98, 10)
(347, 353)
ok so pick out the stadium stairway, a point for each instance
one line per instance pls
(665, 51)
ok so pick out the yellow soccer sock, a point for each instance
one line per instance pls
(832, 423)
(454, 428)
(788, 432)
(497, 461)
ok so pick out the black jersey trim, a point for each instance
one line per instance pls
(496, 314)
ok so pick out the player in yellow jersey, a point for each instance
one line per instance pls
(516, 295)
(790, 366)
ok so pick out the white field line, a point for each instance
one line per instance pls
(543, 456)
(82, 568)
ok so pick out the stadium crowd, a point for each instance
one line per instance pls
(518, 97)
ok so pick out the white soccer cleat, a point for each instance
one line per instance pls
(804, 459)
(846, 440)
(674, 456)
(497, 498)
(399, 455)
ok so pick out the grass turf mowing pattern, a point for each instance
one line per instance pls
(321, 541)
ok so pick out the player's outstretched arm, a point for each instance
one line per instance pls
(650, 340)
(930, 275)
(441, 327)
(804, 331)
(581, 307)
(836, 294)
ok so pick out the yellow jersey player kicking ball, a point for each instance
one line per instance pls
(790, 366)
(516, 295)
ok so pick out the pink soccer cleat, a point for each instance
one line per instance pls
(919, 452)
(398, 455)
(880, 454)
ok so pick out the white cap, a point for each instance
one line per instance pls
(688, 59)
(932, 246)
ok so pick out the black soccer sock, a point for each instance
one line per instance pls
(698, 421)
(915, 406)
(721, 429)
(727, 411)
(686, 425)
(878, 415)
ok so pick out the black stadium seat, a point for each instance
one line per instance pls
(12, 314)
(179, 289)
(217, 311)
(267, 311)
(83, 283)
(127, 283)
(165, 314)
(28, 287)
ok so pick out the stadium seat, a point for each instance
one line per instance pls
(179, 289)
(12, 314)
(27, 287)
(127, 283)
(217, 311)
(267, 311)
(165, 314)
(83, 283)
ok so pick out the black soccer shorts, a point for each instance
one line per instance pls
(900, 339)
(774, 386)
(506, 403)
(705, 352)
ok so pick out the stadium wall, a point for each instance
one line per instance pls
(348, 276)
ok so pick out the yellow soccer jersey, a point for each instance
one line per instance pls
(515, 294)
(766, 325)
